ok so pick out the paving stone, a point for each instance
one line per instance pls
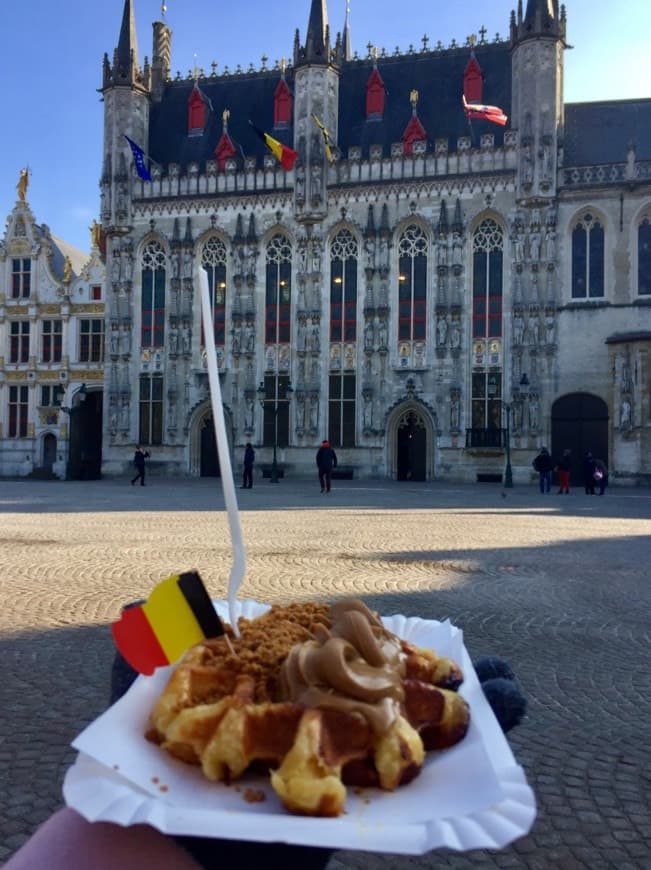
(563, 595)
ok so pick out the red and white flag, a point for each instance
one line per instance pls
(486, 113)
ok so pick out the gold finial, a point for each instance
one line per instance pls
(375, 52)
(283, 64)
(95, 233)
(413, 98)
(472, 39)
(195, 70)
(23, 183)
(67, 270)
(163, 10)
(225, 116)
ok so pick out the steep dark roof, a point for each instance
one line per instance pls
(601, 132)
(437, 76)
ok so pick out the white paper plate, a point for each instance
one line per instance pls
(471, 796)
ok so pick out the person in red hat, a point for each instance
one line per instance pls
(326, 460)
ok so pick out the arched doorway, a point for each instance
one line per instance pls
(85, 440)
(49, 452)
(411, 447)
(209, 459)
(580, 423)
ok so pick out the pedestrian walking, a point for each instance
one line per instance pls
(564, 466)
(601, 475)
(326, 460)
(249, 459)
(139, 463)
(588, 473)
(543, 465)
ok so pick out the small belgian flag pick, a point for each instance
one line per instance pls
(177, 615)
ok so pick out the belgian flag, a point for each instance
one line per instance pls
(286, 156)
(177, 615)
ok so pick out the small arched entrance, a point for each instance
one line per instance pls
(208, 456)
(85, 439)
(410, 429)
(49, 452)
(580, 423)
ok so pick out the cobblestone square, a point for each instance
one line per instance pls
(558, 585)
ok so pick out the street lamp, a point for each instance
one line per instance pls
(508, 471)
(277, 405)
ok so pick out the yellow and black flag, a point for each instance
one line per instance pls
(326, 138)
(285, 155)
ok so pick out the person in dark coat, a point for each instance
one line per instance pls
(543, 465)
(564, 467)
(326, 460)
(249, 459)
(139, 463)
(588, 473)
(600, 474)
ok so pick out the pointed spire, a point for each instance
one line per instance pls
(239, 230)
(443, 219)
(317, 39)
(251, 236)
(176, 234)
(540, 19)
(347, 48)
(457, 220)
(126, 68)
(188, 232)
(370, 221)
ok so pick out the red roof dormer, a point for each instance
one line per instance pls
(375, 94)
(283, 104)
(224, 150)
(473, 80)
(415, 132)
(196, 112)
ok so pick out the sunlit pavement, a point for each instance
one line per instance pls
(558, 585)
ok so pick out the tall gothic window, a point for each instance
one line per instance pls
(412, 284)
(343, 287)
(21, 276)
(278, 293)
(488, 254)
(341, 409)
(644, 257)
(587, 258)
(18, 406)
(213, 260)
(487, 275)
(19, 341)
(275, 418)
(153, 295)
(151, 410)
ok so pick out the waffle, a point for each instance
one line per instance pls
(322, 697)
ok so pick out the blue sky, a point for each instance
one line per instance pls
(51, 65)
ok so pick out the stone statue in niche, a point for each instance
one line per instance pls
(115, 340)
(534, 246)
(518, 329)
(367, 412)
(369, 248)
(457, 250)
(115, 266)
(314, 413)
(299, 184)
(442, 252)
(237, 338)
(176, 265)
(128, 266)
(550, 329)
(625, 414)
(315, 338)
(250, 338)
(301, 260)
(518, 246)
(533, 411)
(527, 165)
(301, 335)
(174, 339)
(383, 333)
(187, 264)
(455, 413)
(187, 339)
(441, 330)
(384, 253)
(249, 411)
(533, 328)
(455, 334)
(550, 245)
(368, 334)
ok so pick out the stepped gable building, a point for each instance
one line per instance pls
(436, 294)
(51, 349)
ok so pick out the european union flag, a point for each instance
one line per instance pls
(139, 160)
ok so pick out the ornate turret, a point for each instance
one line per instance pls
(126, 65)
(541, 18)
(317, 39)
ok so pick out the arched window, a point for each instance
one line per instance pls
(343, 287)
(412, 284)
(213, 260)
(644, 257)
(587, 258)
(152, 328)
(278, 292)
(487, 265)
(486, 386)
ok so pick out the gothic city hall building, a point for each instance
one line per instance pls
(433, 287)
